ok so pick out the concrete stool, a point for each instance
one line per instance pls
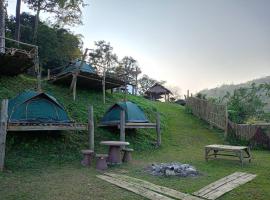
(127, 155)
(101, 163)
(87, 157)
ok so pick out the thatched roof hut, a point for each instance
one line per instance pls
(157, 91)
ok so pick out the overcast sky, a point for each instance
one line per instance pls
(192, 44)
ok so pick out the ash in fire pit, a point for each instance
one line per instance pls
(173, 169)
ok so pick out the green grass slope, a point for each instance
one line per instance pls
(47, 166)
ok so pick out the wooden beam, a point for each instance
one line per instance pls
(46, 128)
(158, 130)
(3, 132)
(122, 125)
(91, 128)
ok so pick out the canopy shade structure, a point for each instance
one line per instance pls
(34, 107)
(156, 91)
(87, 77)
(133, 114)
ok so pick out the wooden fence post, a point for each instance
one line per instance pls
(49, 74)
(226, 122)
(158, 130)
(91, 128)
(3, 132)
(122, 126)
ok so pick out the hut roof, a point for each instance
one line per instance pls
(158, 89)
(31, 106)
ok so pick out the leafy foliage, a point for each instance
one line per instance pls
(246, 103)
(57, 46)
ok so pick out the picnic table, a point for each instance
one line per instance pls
(114, 150)
(241, 152)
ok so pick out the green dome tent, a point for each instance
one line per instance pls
(132, 114)
(36, 107)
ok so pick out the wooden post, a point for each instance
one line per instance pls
(122, 126)
(158, 130)
(187, 93)
(49, 74)
(226, 122)
(74, 85)
(2, 25)
(3, 132)
(91, 128)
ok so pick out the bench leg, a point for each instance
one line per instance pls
(215, 153)
(206, 154)
(241, 157)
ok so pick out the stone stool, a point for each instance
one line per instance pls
(127, 155)
(101, 163)
(87, 157)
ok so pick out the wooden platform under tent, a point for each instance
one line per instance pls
(10, 126)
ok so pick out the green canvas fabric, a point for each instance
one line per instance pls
(32, 106)
(77, 64)
(132, 113)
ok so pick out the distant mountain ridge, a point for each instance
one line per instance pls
(222, 90)
(219, 92)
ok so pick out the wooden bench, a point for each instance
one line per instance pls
(235, 151)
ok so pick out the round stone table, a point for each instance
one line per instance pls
(114, 151)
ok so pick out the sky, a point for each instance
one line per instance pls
(191, 44)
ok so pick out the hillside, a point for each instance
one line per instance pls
(47, 166)
(222, 90)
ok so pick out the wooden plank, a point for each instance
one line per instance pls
(45, 128)
(122, 125)
(229, 186)
(226, 147)
(91, 128)
(134, 188)
(3, 132)
(160, 189)
(158, 130)
(218, 183)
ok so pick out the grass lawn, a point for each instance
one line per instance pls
(44, 170)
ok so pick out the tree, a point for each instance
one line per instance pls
(176, 92)
(18, 20)
(146, 82)
(246, 103)
(65, 11)
(57, 46)
(2, 26)
(103, 59)
(130, 69)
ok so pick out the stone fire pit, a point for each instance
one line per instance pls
(173, 169)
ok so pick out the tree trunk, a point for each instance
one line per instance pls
(2, 26)
(18, 20)
(36, 24)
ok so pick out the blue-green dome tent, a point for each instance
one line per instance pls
(36, 107)
(132, 114)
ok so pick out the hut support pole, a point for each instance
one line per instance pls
(3, 132)
(158, 130)
(91, 128)
(122, 126)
